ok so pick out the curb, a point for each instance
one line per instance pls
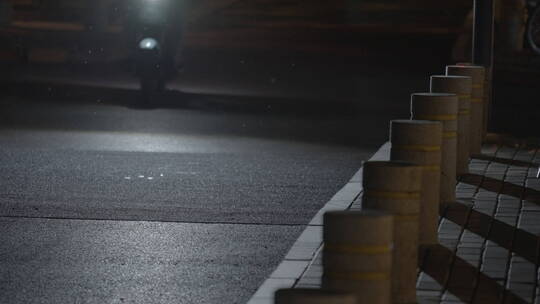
(488, 237)
(309, 243)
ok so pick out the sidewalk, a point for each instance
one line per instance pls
(489, 238)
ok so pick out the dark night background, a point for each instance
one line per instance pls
(196, 198)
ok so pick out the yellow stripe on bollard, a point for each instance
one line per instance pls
(417, 148)
(358, 276)
(477, 100)
(392, 194)
(396, 187)
(340, 248)
(462, 87)
(430, 167)
(405, 218)
(478, 77)
(357, 254)
(437, 117)
(430, 106)
(449, 134)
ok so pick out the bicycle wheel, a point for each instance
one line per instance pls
(533, 30)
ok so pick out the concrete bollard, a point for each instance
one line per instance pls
(486, 97)
(395, 187)
(357, 254)
(444, 108)
(419, 142)
(312, 296)
(478, 76)
(461, 86)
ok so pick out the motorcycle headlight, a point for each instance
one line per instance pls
(148, 44)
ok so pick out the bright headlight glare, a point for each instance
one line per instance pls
(148, 44)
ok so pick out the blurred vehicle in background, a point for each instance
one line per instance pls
(60, 31)
(82, 32)
(156, 29)
(533, 25)
(319, 26)
(517, 27)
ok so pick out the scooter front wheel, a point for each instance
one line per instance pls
(533, 30)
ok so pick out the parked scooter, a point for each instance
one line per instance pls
(150, 69)
(533, 25)
(156, 35)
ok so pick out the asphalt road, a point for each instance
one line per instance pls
(109, 203)
(195, 200)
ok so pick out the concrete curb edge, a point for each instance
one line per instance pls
(308, 244)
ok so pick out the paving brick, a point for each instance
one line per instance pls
(429, 286)
(494, 267)
(450, 297)
(524, 291)
(496, 254)
(428, 294)
(522, 272)
(427, 300)
(488, 239)
(533, 183)
(470, 251)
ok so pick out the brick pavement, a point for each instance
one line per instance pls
(489, 238)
